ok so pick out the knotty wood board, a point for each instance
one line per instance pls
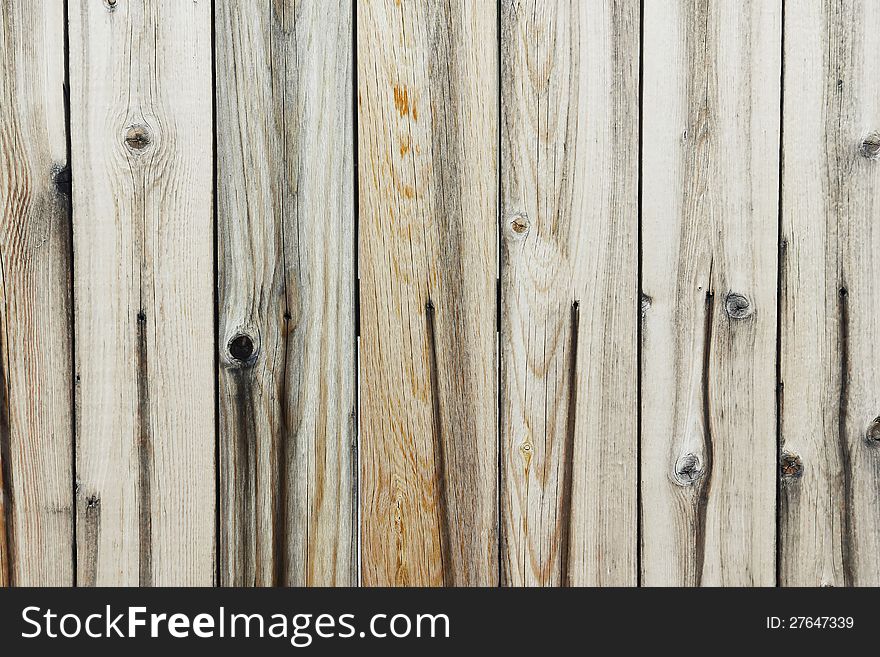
(286, 293)
(427, 172)
(569, 183)
(830, 434)
(36, 430)
(710, 163)
(141, 140)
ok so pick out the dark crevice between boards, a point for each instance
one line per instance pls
(499, 525)
(780, 289)
(705, 481)
(216, 299)
(644, 299)
(7, 549)
(846, 526)
(64, 185)
(442, 507)
(355, 412)
(144, 456)
(568, 452)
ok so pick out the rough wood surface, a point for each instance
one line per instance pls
(286, 293)
(36, 430)
(569, 181)
(830, 430)
(427, 98)
(141, 131)
(709, 252)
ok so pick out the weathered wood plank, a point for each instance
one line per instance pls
(830, 362)
(36, 428)
(709, 247)
(141, 149)
(427, 98)
(569, 177)
(286, 293)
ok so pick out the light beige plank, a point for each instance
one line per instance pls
(141, 134)
(709, 247)
(830, 363)
(36, 373)
(569, 90)
(286, 293)
(427, 98)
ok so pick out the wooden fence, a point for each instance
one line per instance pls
(439, 292)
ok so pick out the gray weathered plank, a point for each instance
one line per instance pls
(569, 176)
(36, 429)
(286, 293)
(427, 98)
(830, 362)
(141, 149)
(709, 247)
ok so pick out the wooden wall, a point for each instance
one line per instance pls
(439, 293)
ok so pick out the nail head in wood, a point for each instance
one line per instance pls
(738, 306)
(870, 147)
(138, 137)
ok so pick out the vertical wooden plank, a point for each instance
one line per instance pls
(709, 247)
(36, 429)
(142, 213)
(427, 99)
(830, 431)
(286, 293)
(569, 93)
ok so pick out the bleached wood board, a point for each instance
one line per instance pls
(709, 262)
(830, 361)
(569, 183)
(36, 373)
(286, 293)
(141, 152)
(427, 135)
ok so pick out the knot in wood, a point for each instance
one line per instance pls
(645, 304)
(519, 225)
(688, 469)
(93, 502)
(737, 306)
(138, 137)
(62, 179)
(110, 4)
(790, 466)
(870, 147)
(241, 348)
(872, 435)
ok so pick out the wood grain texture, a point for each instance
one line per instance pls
(286, 293)
(36, 429)
(143, 237)
(709, 247)
(830, 362)
(427, 99)
(569, 181)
